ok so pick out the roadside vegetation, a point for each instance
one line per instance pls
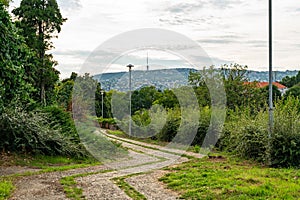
(70, 185)
(37, 118)
(223, 176)
(41, 164)
(128, 189)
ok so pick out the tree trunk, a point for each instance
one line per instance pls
(42, 57)
(43, 93)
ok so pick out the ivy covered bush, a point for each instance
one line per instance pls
(31, 132)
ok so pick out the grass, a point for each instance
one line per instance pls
(6, 188)
(54, 163)
(45, 163)
(128, 189)
(146, 140)
(220, 177)
(70, 185)
(147, 147)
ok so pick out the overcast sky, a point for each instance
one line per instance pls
(230, 31)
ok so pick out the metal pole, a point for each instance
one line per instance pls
(130, 66)
(102, 92)
(271, 117)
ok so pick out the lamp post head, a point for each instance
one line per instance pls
(130, 66)
(102, 92)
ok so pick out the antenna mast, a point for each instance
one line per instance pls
(147, 62)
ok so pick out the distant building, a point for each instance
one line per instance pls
(280, 87)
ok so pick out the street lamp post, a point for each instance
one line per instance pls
(271, 117)
(130, 66)
(102, 92)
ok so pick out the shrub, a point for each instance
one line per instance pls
(31, 132)
(246, 135)
(110, 121)
(285, 141)
(58, 117)
(97, 144)
(204, 121)
(171, 127)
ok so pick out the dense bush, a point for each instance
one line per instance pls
(285, 149)
(30, 132)
(96, 143)
(204, 121)
(110, 121)
(246, 135)
(171, 127)
(58, 117)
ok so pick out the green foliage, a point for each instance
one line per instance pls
(83, 96)
(69, 185)
(96, 143)
(246, 135)
(291, 81)
(238, 94)
(276, 94)
(13, 55)
(234, 78)
(171, 127)
(219, 177)
(142, 117)
(168, 99)
(40, 20)
(144, 98)
(204, 122)
(63, 92)
(62, 119)
(6, 188)
(128, 189)
(285, 151)
(23, 131)
(293, 91)
(5, 2)
(106, 122)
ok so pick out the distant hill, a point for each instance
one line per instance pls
(168, 78)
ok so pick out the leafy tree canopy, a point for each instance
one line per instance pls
(14, 54)
(291, 81)
(40, 21)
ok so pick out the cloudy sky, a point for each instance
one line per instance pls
(229, 31)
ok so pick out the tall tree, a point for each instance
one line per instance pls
(291, 81)
(14, 54)
(5, 2)
(40, 21)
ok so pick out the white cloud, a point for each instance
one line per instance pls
(228, 30)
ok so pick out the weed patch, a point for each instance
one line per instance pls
(228, 178)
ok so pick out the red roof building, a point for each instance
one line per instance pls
(280, 87)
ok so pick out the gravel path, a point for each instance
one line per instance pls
(150, 187)
(99, 186)
(46, 186)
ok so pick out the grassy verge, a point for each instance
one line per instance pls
(146, 140)
(222, 177)
(128, 189)
(6, 188)
(194, 149)
(149, 147)
(70, 186)
(45, 163)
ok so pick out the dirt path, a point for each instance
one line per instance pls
(143, 166)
